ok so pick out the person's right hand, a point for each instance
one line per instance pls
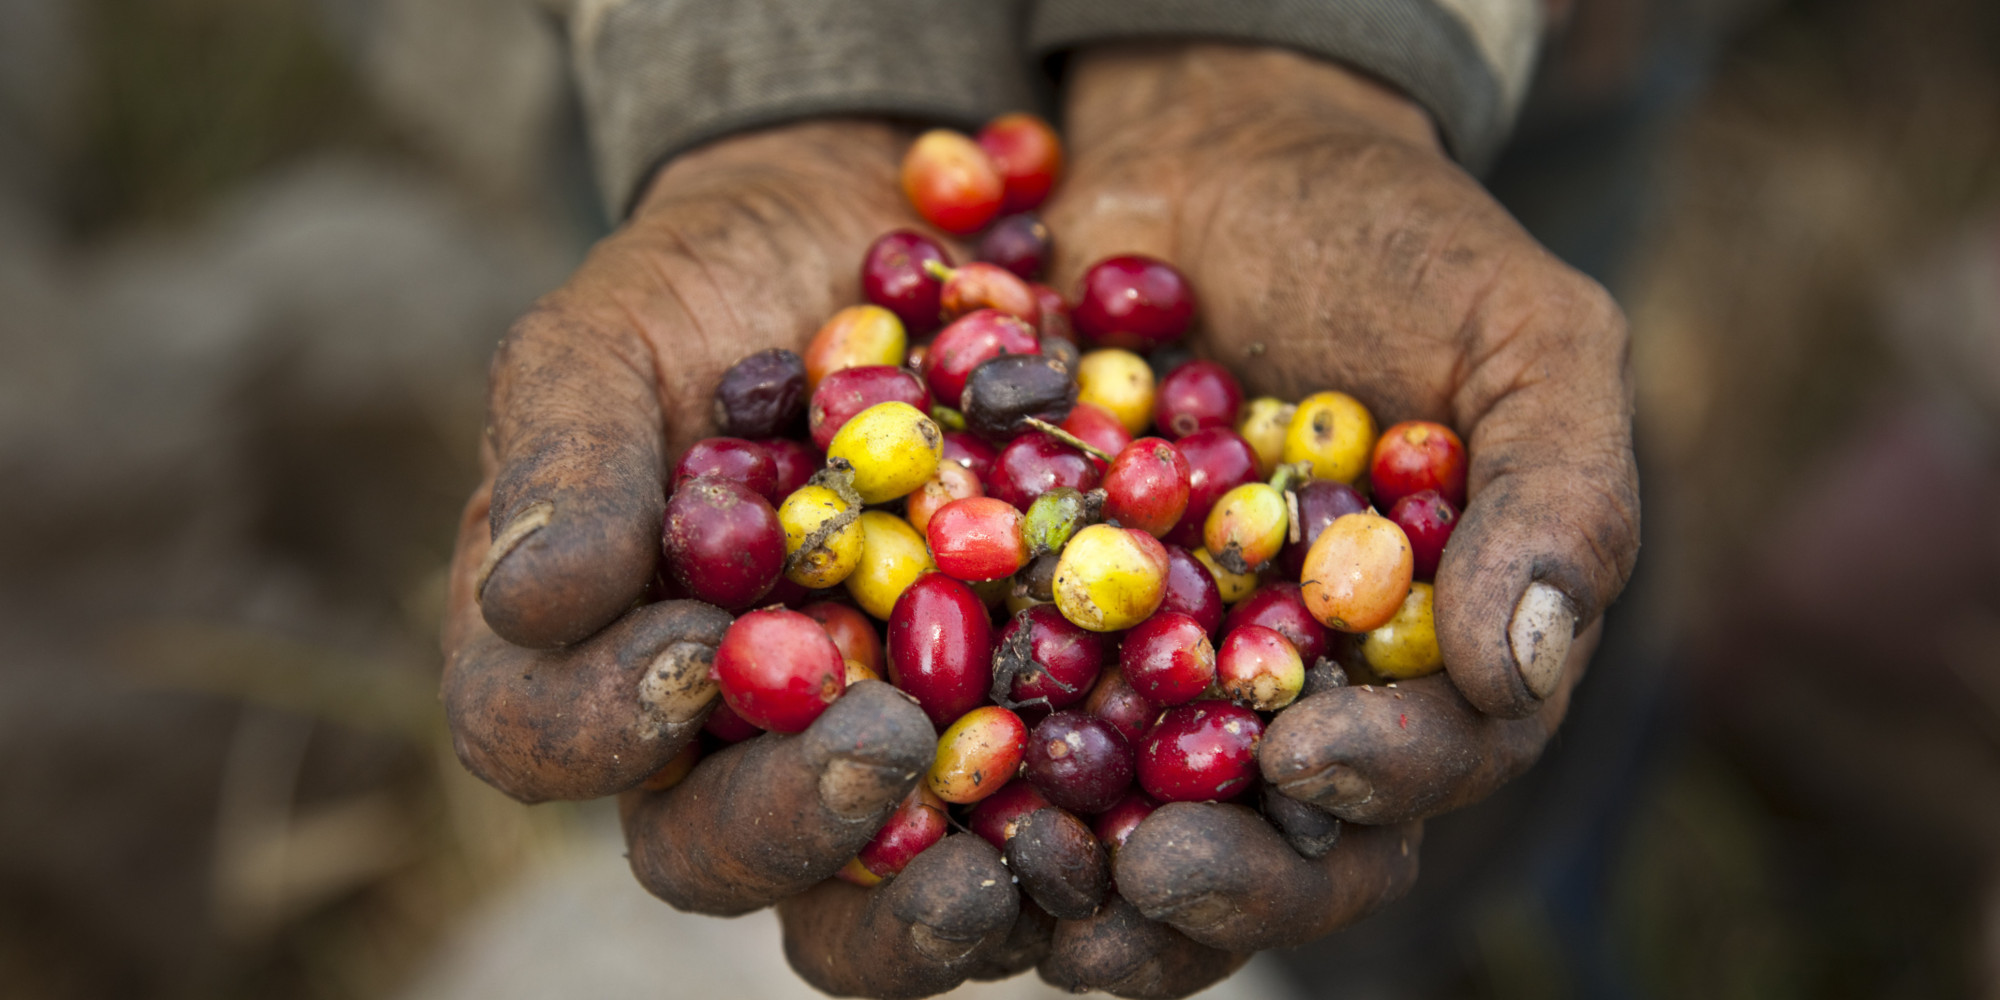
(560, 684)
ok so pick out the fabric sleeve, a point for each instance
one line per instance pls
(657, 77)
(1468, 62)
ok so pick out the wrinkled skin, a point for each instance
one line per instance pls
(1332, 244)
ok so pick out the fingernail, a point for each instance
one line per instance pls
(678, 685)
(938, 947)
(856, 789)
(1331, 787)
(1544, 626)
(524, 524)
(1201, 912)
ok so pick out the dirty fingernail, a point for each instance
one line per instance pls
(524, 524)
(1333, 786)
(939, 947)
(1544, 626)
(1203, 911)
(678, 686)
(856, 789)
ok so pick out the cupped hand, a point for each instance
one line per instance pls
(1333, 244)
(560, 684)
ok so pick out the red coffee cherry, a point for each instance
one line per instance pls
(1028, 155)
(1168, 659)
(970, 451)
(1260, 668)
(969, 340)
(1417, 455)
(917, 823)
(996, 816)
(722, 542)
(1429, 520)
(977, 538)
(941, 648)
(1055, 321)
(1195, 397)
(779, 669)
(1042, 656)
(1146, 487)
(1095, 426)
(1034, 464)
(733, 459)
(1202, 752)
(1191, 590)
(847, 392)
(1133, 302)
(724, 724)
(1219, 460)
(895, 276)
(1280, 606)
(1115, 824)
(795, 461)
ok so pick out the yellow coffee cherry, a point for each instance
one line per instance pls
(1246, 527)
(855, 337)
(893, 556)
(1110, 578)
(1408, 646)
(1264, 424)
(803, 513)
(1233, 586)
(893, 447)
(1334, 432)
(1119, 381)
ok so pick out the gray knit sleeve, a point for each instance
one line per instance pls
(1467, 61)
(660, 76)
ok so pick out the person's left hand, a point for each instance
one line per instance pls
(1332, 244)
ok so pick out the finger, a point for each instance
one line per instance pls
(575, 427)
(1552, 530)
(769, 817)
(1224, 877)
(1409, 750)
(1060, 863)
(1119, 951)
(920, 933)
(576, 723)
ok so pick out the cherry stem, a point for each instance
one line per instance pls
(1067, 438)
(938, 270)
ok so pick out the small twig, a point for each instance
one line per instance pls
(1067, 438)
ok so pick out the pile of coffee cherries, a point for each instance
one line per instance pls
(1095, 567)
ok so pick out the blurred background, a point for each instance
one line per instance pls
(254, 255)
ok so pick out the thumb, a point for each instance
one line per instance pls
(1552, 529)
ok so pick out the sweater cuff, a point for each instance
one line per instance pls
(658, 77)
(1468, 62)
